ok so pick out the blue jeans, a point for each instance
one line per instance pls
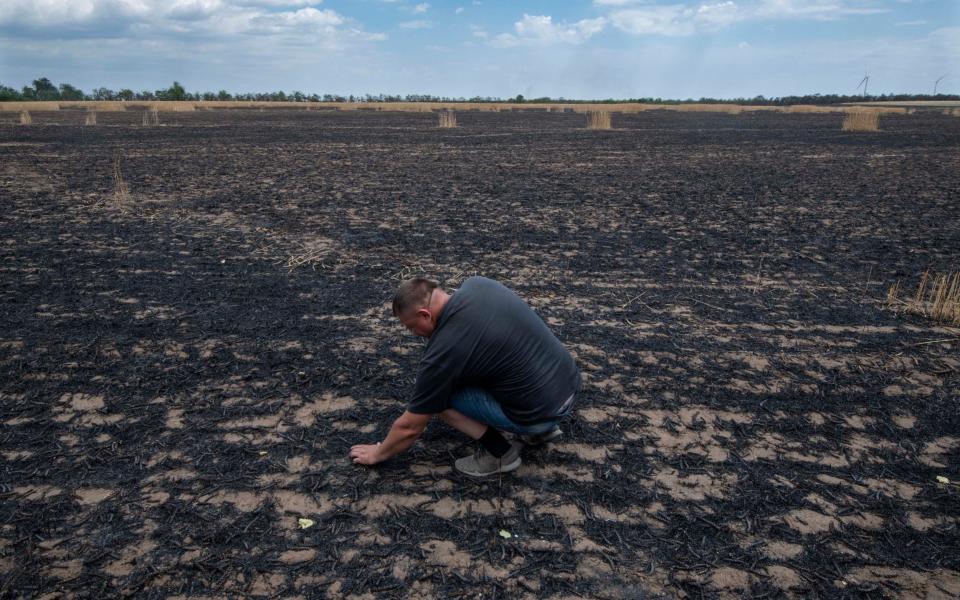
(480, 405)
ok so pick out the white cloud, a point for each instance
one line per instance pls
(421, 8)
(44, 13)
(459, 10)
(192, 10)
(718, 14)
(167, 21)
(638, 17)
(39, 13)
(77, 13)
(619, 2)
(663, 20)
(813, 9)
(277, 3)
(541, 30)
(912, 23)
(416, 24)
(305, 19)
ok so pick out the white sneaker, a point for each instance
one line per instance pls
(482, 464)
(539, 439)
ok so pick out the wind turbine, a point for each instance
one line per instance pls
(864, 82)
(936, 83)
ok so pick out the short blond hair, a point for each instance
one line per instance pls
(413, 293)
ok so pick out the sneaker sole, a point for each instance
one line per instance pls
(503, 469)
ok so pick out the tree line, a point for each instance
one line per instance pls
(44, 89)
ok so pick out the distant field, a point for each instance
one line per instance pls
(412, 106)
(195, 327)
(918, 103)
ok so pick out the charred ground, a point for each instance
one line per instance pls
(183, 371)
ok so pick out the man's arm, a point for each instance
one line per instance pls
(403, 433)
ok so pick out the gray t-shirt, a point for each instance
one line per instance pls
(488, 337)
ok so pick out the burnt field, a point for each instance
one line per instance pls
(184, 367)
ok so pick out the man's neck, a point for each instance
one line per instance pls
(440, 302)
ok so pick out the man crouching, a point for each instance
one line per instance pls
(491, 364)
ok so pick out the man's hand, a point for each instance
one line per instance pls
(402, 435)
(366, 454)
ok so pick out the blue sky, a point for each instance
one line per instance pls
(574, 49)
